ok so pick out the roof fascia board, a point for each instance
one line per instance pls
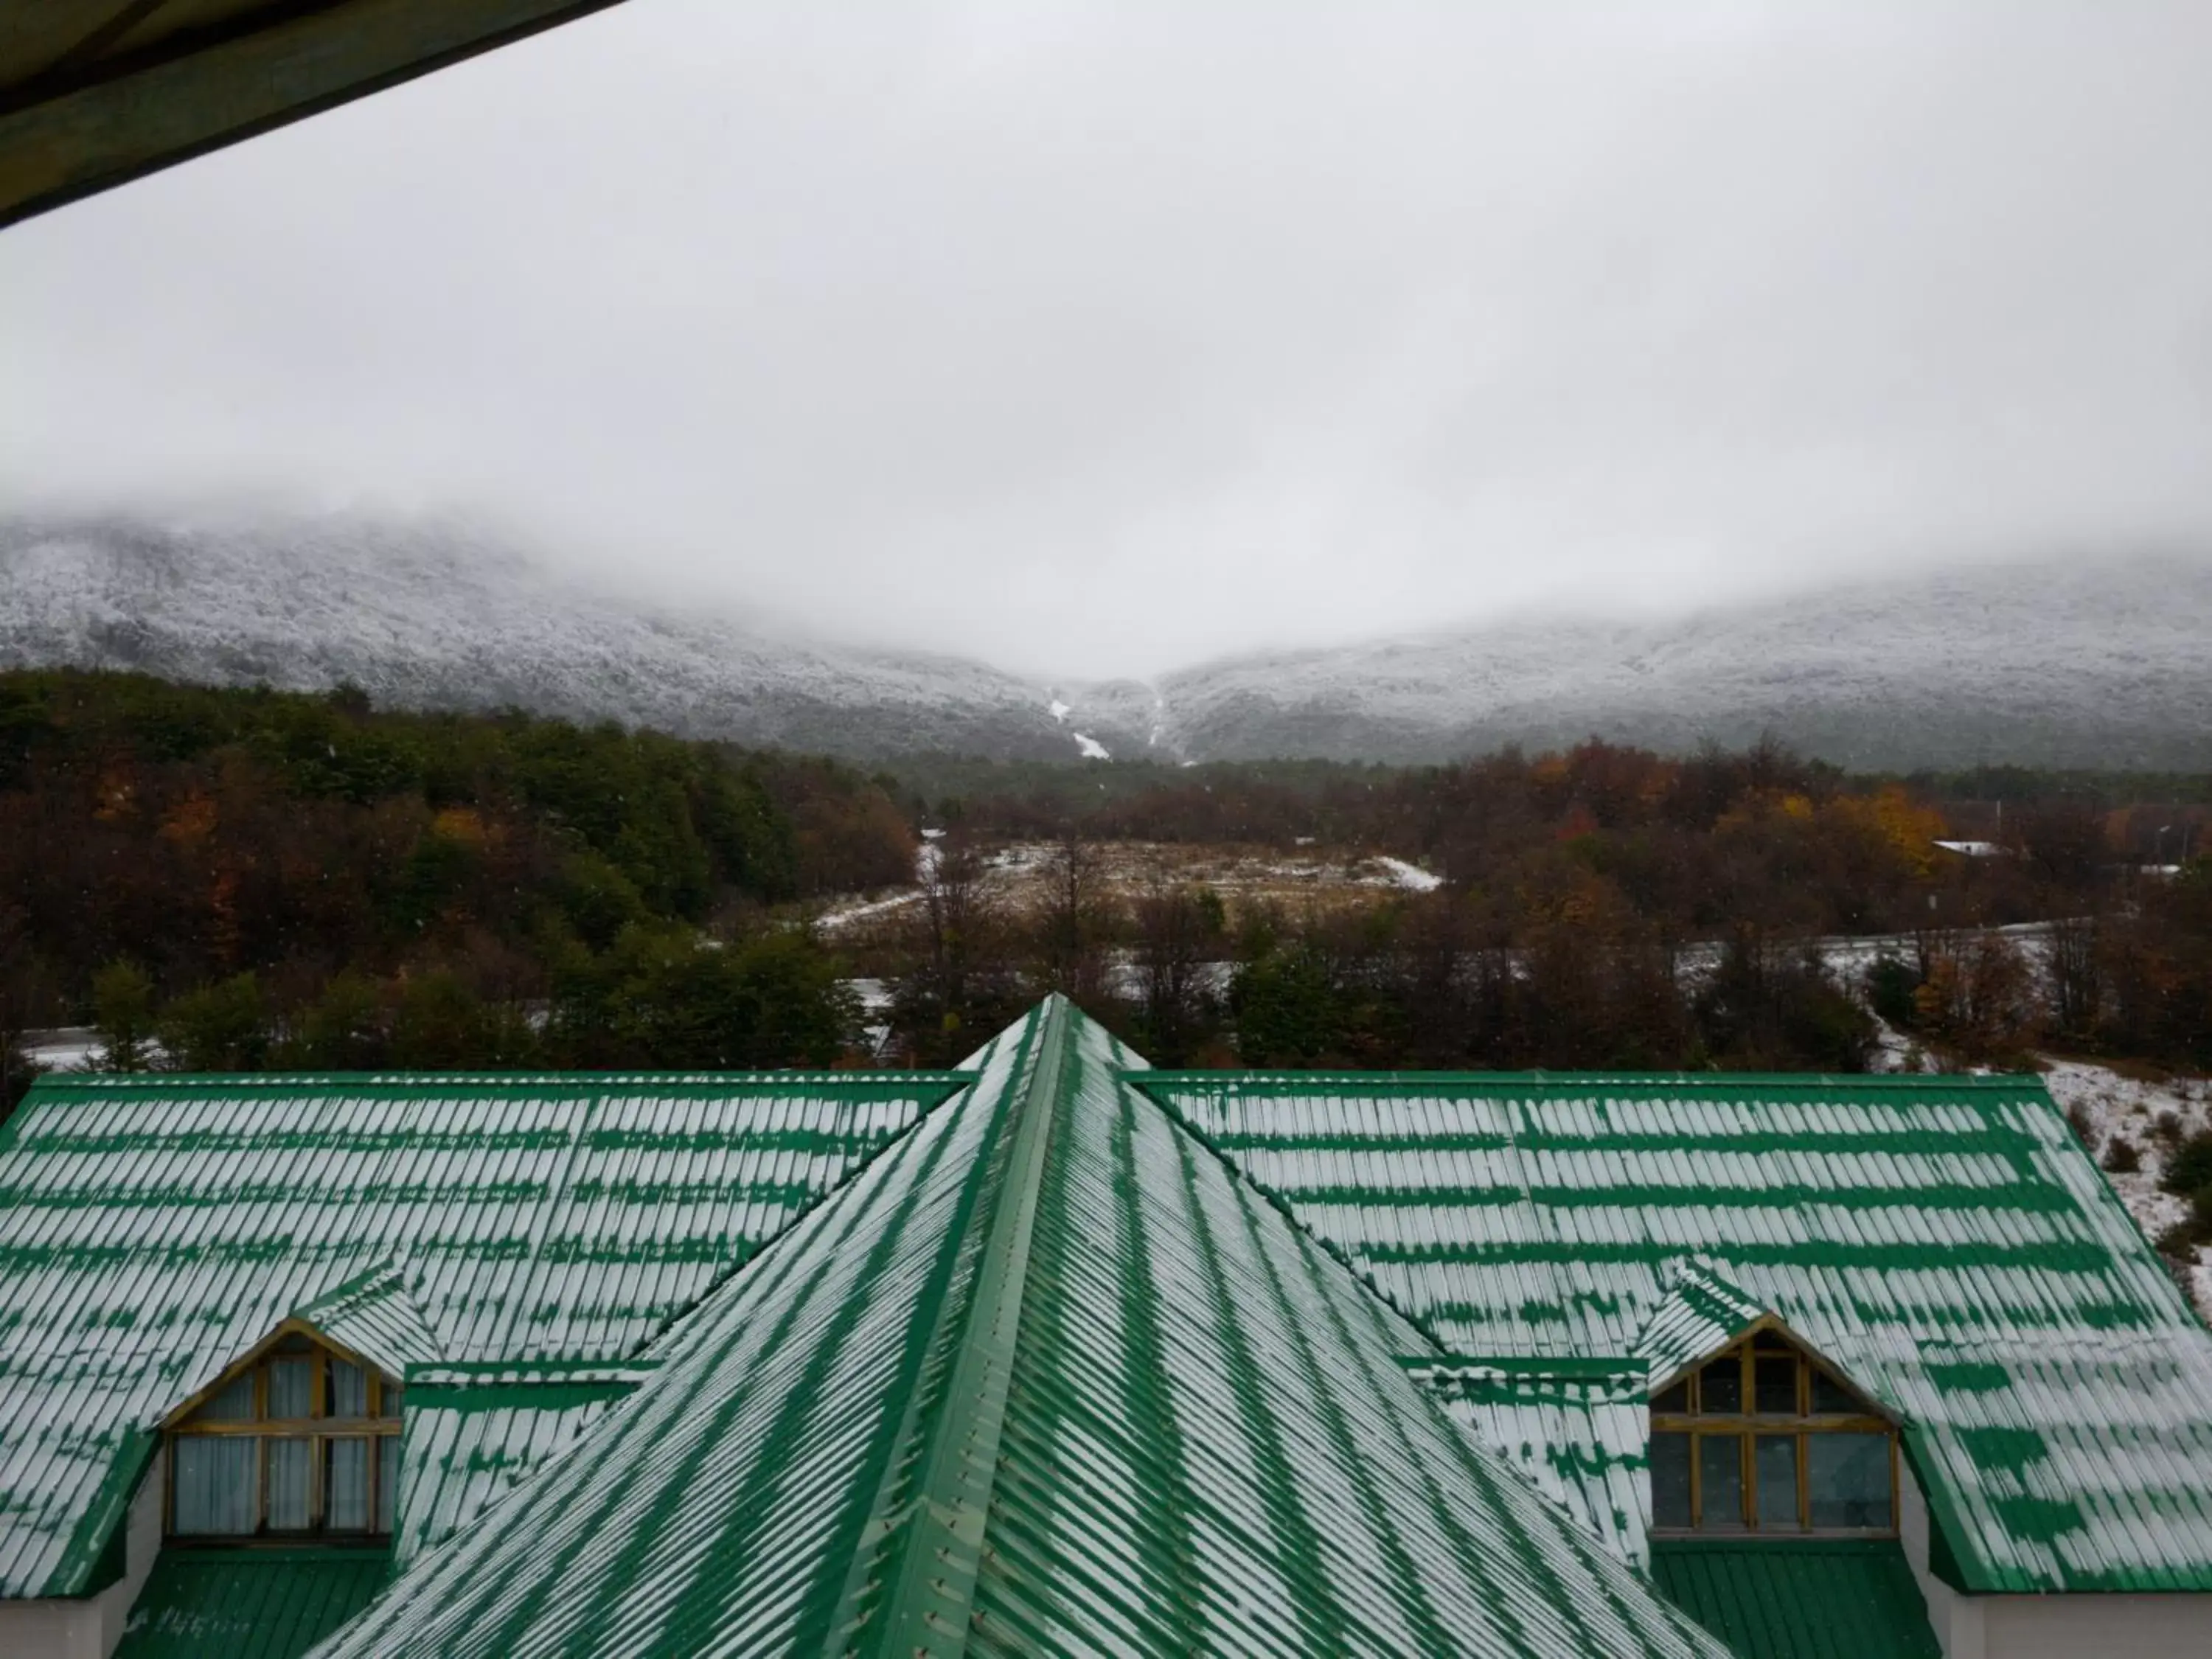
(48, 1083)
(1701, 1082)
(64, 137)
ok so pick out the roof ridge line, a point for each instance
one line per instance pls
(929, 1584)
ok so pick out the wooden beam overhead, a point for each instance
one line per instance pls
(95, 93)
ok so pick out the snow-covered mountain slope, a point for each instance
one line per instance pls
(431, 615)
(2102, 663)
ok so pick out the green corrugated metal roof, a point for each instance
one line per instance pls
(1046, 1377)
(373, 1316)
(248, 1603)
(152, 1229)
(1943, 1240)
(1576, 1429)
(1849, 1599)
(472, 1433)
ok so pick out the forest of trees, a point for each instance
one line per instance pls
(1607, 906)
(241, 879)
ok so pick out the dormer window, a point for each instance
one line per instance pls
(1764, 1439)
(298, 1442)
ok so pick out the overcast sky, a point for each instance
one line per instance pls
(1098, 337)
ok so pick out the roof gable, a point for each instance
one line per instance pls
(1046, 1376)
(1703, 1314)
(372, 1318)
(1944, 1242)
(151, 1227)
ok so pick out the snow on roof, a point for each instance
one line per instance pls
(1046, 1377)
(1944, 1241)
(152, 1229)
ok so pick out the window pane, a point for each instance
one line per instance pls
(1720, 1475)
(234, 1405)
(349, 1389)
(291, 1388)
(1676, 1398)
(288, 1486)
(1829, 1396)
(1774, 1379)
(1720, 1386)
(387, 1481)
(345, 1484)
(395, 1400)
(1776, 1461)
(218, 1480)
(1670, 1480)
(1849, 1477)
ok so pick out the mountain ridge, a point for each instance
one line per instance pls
(2048, 662)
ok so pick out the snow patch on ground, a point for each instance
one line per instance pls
(2114, 1106)
(1092, 748)
(1060, 711)
(861, 908)
(1410, 877)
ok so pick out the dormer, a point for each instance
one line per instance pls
(299, 1439)
(1764, 1437)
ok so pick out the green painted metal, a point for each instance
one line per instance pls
(1944, 1241)
(472, 1433)
(248, 1603)
(1577, 1429)
(153, 1229)
(930, 1587)
(1849, 1599)
(1046, 1377)
(724, 1505)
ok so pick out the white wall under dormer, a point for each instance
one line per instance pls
(2091, 1626)
(89, 1627)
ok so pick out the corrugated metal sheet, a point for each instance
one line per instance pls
(473, 1432)
(722, 1506)
(1703, 1312)
(1842, 1600)
(1944, 1241)
(1574, 1429)
(151, 1230)
(248, 1604)
(373, 1316)
(1046, 1377)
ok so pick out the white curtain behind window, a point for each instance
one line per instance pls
(387, 1480)
(234, 1405)
(345, 1486)
(349, 1389)
(291, 1388)
(288, 1484)
(218, 1480)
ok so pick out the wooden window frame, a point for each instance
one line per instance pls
(291, 1341)
(1749, 1425)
